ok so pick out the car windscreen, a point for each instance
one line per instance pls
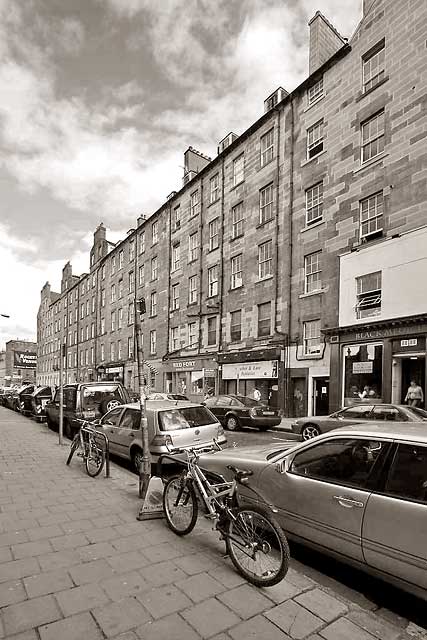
(185, 418)
(248, 402)
(419, 414)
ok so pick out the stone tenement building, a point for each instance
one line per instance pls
(295, 261)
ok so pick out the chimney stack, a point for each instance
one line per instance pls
(140, 220)
(324, 41)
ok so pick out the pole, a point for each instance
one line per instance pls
(145, 466)
(61, 392)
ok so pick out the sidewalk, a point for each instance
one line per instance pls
(76, 565)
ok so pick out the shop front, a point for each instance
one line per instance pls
(250, 372)
(377, 362)
(111, 372)
(195, 378)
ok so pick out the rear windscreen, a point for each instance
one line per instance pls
(94, 396)
(185, 418)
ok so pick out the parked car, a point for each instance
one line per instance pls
(357, 493)
(312, 426)
(84, 401)
(39, 399)
(179, 426)
(24, 400)
(15, 399)
(10, 398)
(235, 411)
(4, 392)
(156, 395)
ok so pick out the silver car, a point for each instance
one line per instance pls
(176, 425)
(357, 493)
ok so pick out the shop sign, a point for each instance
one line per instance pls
(184, 364)
(409, 343)
(24, 359)
(114, 370)
(209, 373)
(250, 370)
(363, 367)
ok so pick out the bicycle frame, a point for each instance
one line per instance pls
(209, 492)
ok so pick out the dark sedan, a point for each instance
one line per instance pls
(312, 426)
(240, 411)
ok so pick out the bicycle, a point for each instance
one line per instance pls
(254, 540)
(91, 451)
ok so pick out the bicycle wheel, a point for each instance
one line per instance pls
(94, 459)
(180, 505)
(257, 546)
(74, 446)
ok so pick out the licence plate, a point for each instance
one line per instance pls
(268, 413)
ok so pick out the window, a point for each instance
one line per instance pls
(131, 281)
(236, 326)
(315, 92)
(176, 257)
(238, 169)
(212, 330)
(131, 313)
(312, 271)
(113, 293)
(153, 342)
(102, 326)
(131, 250)
(92, 330)
(119, 349)
(373, 67)
(120, 319)
(92, 355)
(266, 204)
(120, 288)
(192, 289)
(362, 372)
(102, 353)
(153, 304)
(82, 334)
(267, 148)
(373, 137)
(177, 218)
(193, 246)
(214, 188)
(154, 268)
(192, 334)
(407, 477)
(87, 306)
(264, 319)
(315, 140)
(213, 281)
(130, 348)
(175, 297)
(236, 272)
(112, 351)
(311, 337)
(237, 220)
(142, 242)
(194, 204)
(155, 232)
(93, 285)
(347, 461)
(371, 215)
(71, 313)
(141, 276)
(113, 265)
(174, 338)
(368, 295)
(113, 321)
(314, 204)
(213, 235)
(121, 259)
(82, 311)
(87, 332)
(265, 259)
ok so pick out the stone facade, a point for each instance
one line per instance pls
(241, 266)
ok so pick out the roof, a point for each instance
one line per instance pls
(402, 431)
(163, 404)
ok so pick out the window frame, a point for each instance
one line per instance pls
(153, 304)
(367, 58)
(174, 297)
(376, 139)
(262, 322)
(265, 261)
(314, 201)
(376, 217)
(193, 246)
(236, 268)
(266, 207)
(195, 206)
(193, 290)
(311, 270)
(154, 232)
(372, 298)
(239, 170)
(267, 150)
(214, 237)
(213, 283)
(233, 331)
(154, 268)
(308, 340)
(210, 331)
(176, 257)
(214, 188)
(153, 342)
(237, 224)
(316, 145)
(190, 326)
(314, 94)
(174, 338)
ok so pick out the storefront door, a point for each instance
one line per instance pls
(320, 396)
(413, 368)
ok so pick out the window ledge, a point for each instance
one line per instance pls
(362, 94)
(213, 249)
(270, 277)
(371, 162)
(312, 226)
(262, 224)
(314, 104)
(312, 293)
(213, 202)
(235, 288)
(241, 235)
(237, 185)
(261, 166)
(305, 162)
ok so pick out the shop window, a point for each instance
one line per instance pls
(368, 295)
(197, 382)
(362, 373)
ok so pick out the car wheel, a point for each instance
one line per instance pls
(232, 423)
(310, 431)
(137, 458)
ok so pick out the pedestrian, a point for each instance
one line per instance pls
(257, 394)
(414, 396)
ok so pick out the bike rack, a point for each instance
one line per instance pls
(107, 448)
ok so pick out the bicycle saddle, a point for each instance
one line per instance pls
(240, 473)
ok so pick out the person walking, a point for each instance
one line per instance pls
(414, 396)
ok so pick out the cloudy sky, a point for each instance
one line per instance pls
(99, 100)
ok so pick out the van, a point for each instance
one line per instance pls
(171, 425)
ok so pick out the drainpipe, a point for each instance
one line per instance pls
(200, 265)
(221, 283)
(290, 245)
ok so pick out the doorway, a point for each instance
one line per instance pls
(413, 368)
(320, 396)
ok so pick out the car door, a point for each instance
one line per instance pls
(109, 424)
(394, 531)
(321, 492)
(354, 415)
(53, 408)
(126, 431)
(223, 404)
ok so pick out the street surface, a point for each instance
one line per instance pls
(75, 563)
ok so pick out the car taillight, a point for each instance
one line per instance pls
(38, 409)
(162, 438)
(253, 412)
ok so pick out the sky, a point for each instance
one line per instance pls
(99, 99)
